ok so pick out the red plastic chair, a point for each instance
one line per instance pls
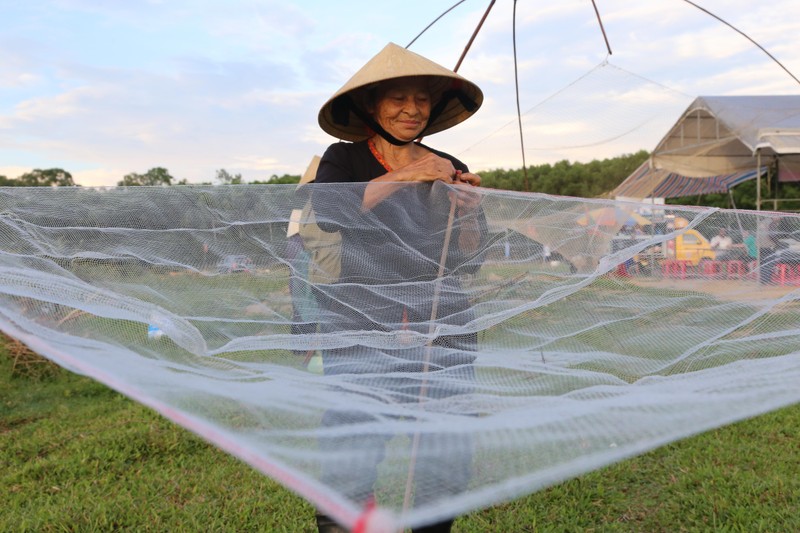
(782, 273)
(711, 268)
(735, 269)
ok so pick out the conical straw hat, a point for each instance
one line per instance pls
(311, 171)
(397, 62)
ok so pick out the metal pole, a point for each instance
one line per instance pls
(423, 390)
(474, 34)
(435, 305)
(758, 180)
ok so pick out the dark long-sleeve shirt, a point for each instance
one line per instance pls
(402, 237)
(390, 261)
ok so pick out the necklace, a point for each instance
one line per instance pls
(378, 155)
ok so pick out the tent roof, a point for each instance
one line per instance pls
(719, 135)
(645, 182)
(714, 146)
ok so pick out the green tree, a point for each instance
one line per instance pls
(280, 180)
(51, 177)
(153, 177)
(226, 179)
(7, 182)
(586, 180)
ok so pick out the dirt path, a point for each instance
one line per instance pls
(732, 289)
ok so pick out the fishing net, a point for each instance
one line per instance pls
(404, 365)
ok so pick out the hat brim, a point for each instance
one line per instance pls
(391, 63)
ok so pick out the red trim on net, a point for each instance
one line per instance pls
(363, 519)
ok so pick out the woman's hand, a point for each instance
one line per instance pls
(469, 178)
(466, 201)
(428, 168)
(431, 167)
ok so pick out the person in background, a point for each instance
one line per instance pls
(303, 300)
(405, 199)
(768, 243)
(749, 242)
(299, 257)
(721, 243)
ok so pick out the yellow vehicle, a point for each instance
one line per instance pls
(690, 246)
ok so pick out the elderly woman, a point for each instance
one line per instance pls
(411, 202)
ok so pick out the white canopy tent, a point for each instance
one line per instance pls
(720, 141)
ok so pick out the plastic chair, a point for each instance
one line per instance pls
(735, 269)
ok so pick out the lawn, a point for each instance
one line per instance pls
(77, 456)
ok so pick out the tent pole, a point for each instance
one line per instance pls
(736, 212)
(776, 161)
(758, 180)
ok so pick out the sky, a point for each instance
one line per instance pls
(104, 88)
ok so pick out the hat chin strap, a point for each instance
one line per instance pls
(342, 107)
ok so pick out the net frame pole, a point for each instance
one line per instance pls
(437, 288)
(428, 347)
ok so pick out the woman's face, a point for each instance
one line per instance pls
(402, 107)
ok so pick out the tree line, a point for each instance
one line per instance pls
(563, 178)
(584, 180)
(51, 177)
(157, 176)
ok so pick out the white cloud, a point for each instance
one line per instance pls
(62, 105)
(197, 85)
(256, 162)
(266, 97)
(17, 79)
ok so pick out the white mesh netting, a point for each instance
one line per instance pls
(563, 339)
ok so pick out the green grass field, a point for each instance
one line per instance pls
(77, 456)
